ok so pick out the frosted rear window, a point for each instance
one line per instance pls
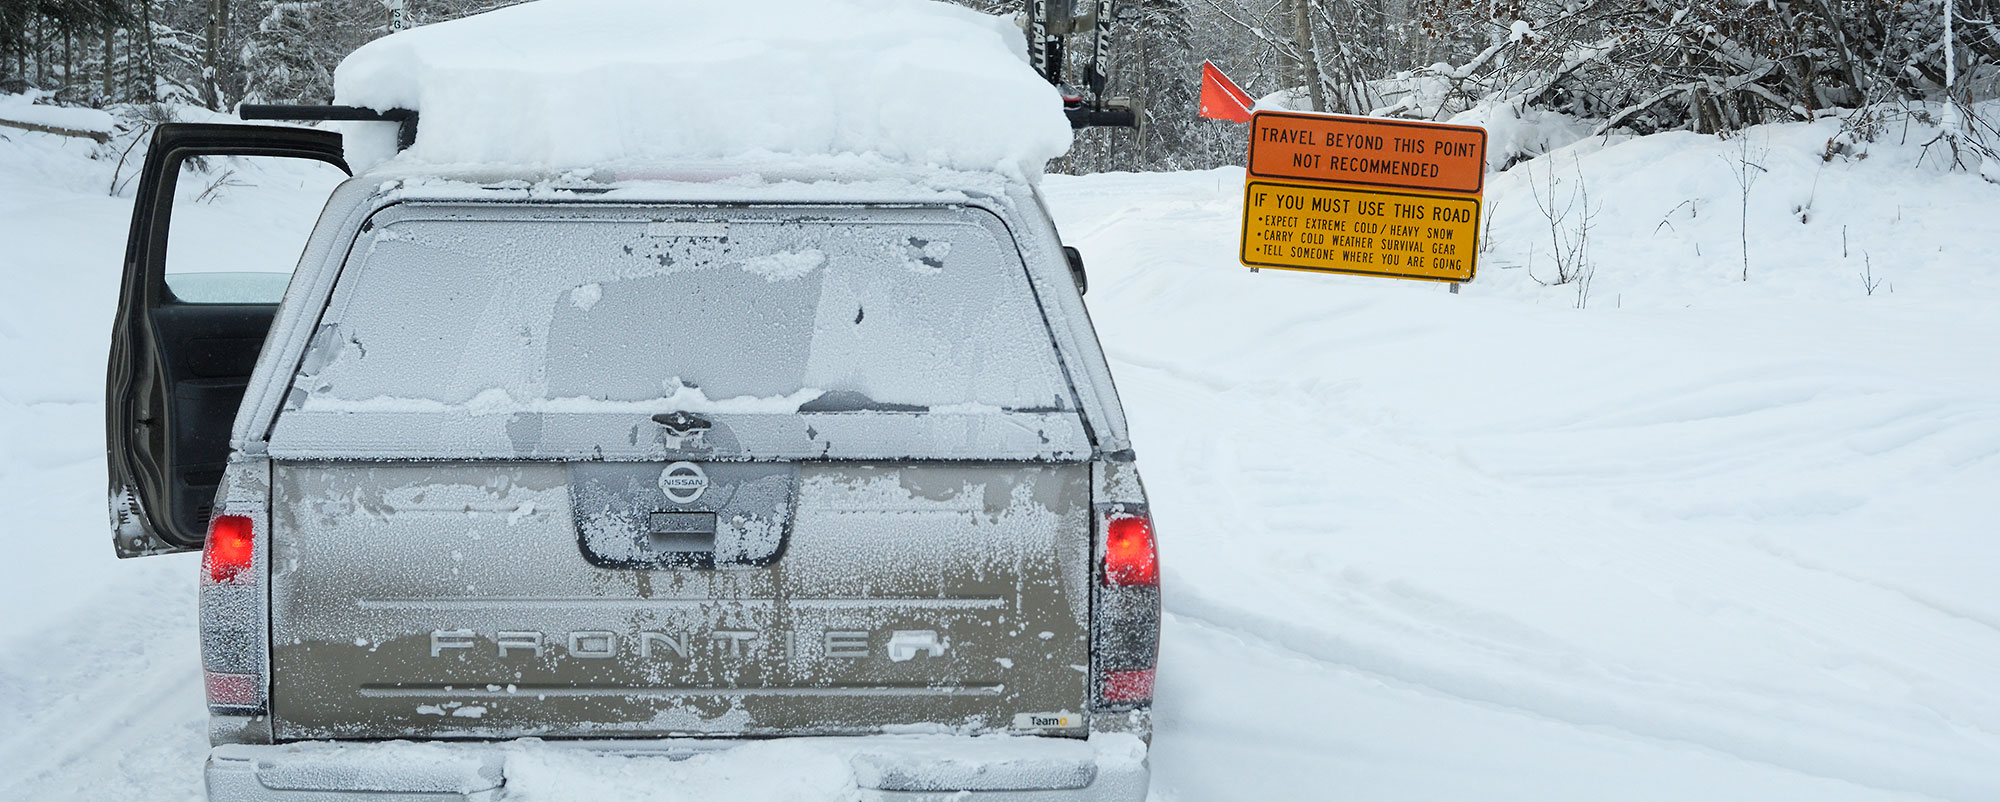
(771, 313)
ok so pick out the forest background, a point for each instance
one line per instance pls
(1540, 72)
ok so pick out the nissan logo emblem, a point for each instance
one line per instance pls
(683, 482)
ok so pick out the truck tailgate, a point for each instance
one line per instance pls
(499, 599)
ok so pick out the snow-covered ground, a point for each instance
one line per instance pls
(1425, 546)
(1703, 539)
(25, 112)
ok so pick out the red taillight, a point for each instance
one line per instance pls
(231, 548)
(1129, 555)
(1127, 686)
(233, 690)
(1125, 610)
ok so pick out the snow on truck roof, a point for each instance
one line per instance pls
(566, 84)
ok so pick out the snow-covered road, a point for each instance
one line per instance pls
(1704, 541)
(1425, 546)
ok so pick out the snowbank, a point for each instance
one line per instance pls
(1515, 134)
(22, 109)
(1671, 223)
(561, 84)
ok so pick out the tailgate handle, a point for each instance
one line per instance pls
(681, 531)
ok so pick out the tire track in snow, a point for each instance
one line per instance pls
(108, 703)
(1616, 697)
(1216, 419)
(1558, 700)
(1376, 737)
(1732, 721)
(1914, 597)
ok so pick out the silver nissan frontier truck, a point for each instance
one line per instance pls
(652, 464)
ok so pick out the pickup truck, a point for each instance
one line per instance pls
(654, 464)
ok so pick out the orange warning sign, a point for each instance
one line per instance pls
(1368, 151)
(1367, 232)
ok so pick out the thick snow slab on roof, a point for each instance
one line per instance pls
(566, 84)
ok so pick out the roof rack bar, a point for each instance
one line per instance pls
(1105, 117)
(405, 119)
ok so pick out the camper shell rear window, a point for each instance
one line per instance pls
(467, 328)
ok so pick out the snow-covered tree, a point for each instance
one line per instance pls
(1642, 66)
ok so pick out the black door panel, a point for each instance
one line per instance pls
(225, 357)
(206, 370)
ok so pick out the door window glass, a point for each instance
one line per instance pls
(239, 224)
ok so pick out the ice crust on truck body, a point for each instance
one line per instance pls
(469, 530)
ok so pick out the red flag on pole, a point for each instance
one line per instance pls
(1221, 98)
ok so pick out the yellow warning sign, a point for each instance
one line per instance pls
(1371, 232)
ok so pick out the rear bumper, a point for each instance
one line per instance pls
(889, 768)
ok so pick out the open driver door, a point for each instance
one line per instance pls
(182, 350)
